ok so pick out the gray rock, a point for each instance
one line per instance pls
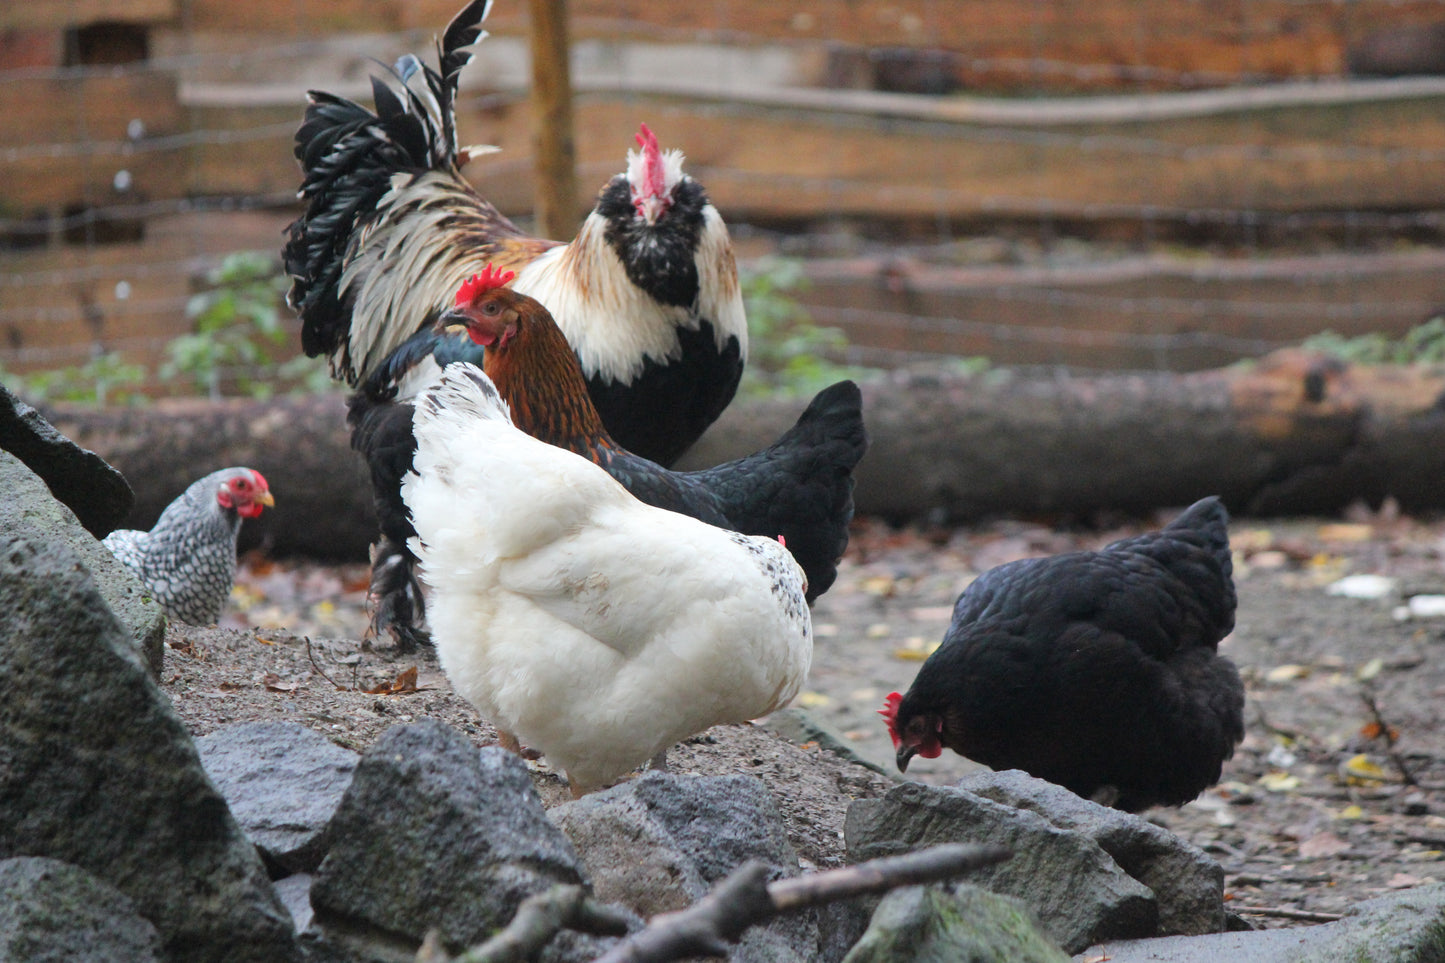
(1187, 884)
(97, 770)
(28, 503)
(295, 893)
(1407, 927)
(283, 783)
(53, 912)
(931, 924)
(1079, 894)
(430, 834)
(661, 841)
(82, 480)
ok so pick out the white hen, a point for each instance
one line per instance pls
(596, 628)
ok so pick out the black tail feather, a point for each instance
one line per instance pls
(802, 486)
(349, 155)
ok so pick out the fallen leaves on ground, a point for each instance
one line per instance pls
(404, 682)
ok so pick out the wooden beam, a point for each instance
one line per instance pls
(553, 146)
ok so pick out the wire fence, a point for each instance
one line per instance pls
(1040, 203)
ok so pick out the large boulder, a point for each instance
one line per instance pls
(283, 783)
(1075, 889)
(82, 480)
(1407, 927)
(661, 841)
(29, 503)
(97, 770)
(433, 834)
(53, 912)
(1187, 884)
(934, 924)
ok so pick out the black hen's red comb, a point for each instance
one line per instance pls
(479, 284)
(889, 712)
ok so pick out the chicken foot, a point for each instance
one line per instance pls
(512, 744)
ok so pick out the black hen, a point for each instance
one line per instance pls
(1097, 671)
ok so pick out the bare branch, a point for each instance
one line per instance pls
(322, 672)
(539, 918)
(1388, 735)
(1287, 914)
(745, 899)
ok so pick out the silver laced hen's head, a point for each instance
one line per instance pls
(188, 560)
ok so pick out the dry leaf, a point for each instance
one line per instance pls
(1403, 881)
(273, 683)
(813, 700)
(1278, 782)
(1373, 730)
(1287, 673)
(1346, 532)
(405, 682)
(1323, 844)
(1362, 769)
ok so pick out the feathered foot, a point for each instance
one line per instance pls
(395, 597)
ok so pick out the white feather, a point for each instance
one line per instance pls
(613, 325)
(596, 628)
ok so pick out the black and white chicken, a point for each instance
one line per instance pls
(647, 293)
(188, 559)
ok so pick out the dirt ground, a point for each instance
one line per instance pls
(1316, 811)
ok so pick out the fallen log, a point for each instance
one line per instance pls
(1292, 433)
(1295, 432)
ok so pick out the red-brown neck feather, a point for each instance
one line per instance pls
(541, 380)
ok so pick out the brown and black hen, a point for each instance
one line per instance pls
(1097, 671)
(800, 487)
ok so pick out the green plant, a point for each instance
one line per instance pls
(105, 378)
(1422, 343)
(237, 322)
(787, 352)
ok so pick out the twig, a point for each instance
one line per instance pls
(1298, 736)
(319, 671)
(538, 919)
(746, 899)
(1388, 734)
(1287, 914)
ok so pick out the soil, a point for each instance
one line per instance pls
(1317, 810)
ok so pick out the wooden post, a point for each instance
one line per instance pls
(553, 145)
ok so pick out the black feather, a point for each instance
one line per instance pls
(1096, 670)
(800, 487)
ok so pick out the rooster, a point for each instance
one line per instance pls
(596, 628)
(648, 289)
(188, 560)
(800, 488)
(1097, 671)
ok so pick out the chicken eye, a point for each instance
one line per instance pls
(491, 308)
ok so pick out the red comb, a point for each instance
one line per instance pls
(656, 177)
(889, 712)
(479, 284)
